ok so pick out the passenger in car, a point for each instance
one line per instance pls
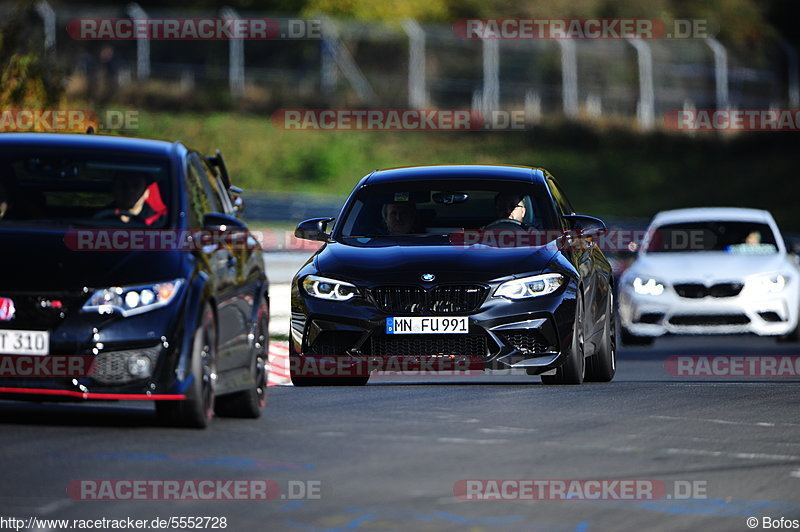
(131, 192)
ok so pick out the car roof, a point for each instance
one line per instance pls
(457, 171)
(700, 214)
(90, 142)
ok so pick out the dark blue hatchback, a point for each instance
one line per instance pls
(127, 274)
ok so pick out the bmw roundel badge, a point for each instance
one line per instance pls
(428, 277)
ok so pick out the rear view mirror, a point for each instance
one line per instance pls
(449, 198)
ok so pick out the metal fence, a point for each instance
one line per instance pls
(411, 65)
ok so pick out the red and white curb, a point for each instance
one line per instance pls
(279, 364)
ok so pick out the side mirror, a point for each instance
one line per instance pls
(587, 226)
(238, 201)
(217, 221)
(314, 229)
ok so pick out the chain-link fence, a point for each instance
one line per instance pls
(409, 65)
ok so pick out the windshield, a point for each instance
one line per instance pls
(405, 211)
(64, 188)
(735, 237)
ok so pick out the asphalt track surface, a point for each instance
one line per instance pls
(387, 456)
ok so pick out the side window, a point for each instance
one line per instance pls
(209, 186)
(562, 203)
(197, 199)
(219, 190)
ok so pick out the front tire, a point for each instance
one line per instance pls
(574, 367)
(251, 402)
(602, 366)
(198, 407)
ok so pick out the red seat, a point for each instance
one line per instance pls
(156, 203)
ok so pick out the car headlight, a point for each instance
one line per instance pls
(647, 286)
(767, 284)
(533, 286)
(132, 300)
(331, 289)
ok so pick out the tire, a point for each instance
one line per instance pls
(251, 402)
(297, 363)
(198, 407)
(631, 339)
(602, 366)
(574, 367)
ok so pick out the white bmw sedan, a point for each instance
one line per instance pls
(711, 271)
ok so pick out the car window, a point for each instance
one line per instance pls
(219, 189)
(196, 196)
(429, 208)
(734, 237)
(209, 184)
(560, 198)
(56, 187)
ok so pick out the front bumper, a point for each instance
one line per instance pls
(527, 334)
(669, 313)
(101, 357)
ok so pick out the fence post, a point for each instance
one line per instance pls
(645, 110)
(720, 71)
(491, 77)
(44, 10)
(344, 60)
(569, 77)
(417, 89)
(235, 58)
(142, 44)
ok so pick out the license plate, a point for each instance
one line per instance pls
(24, 342)
(432, 325)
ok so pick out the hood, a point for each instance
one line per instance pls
(706, 267)
(449, 263)
(41, 261)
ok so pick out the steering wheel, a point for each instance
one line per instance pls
(507, 223)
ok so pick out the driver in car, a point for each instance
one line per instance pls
(400, 218)
(510, 209)
(130, 190)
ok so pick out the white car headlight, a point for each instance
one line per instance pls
(325, 288)
(132, 300)
(647, 286)
(767, 284)
(533, 286)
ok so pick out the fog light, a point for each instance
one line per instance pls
(139, 366)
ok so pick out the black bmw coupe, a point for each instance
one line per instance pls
(127, 275)
(488, 264)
